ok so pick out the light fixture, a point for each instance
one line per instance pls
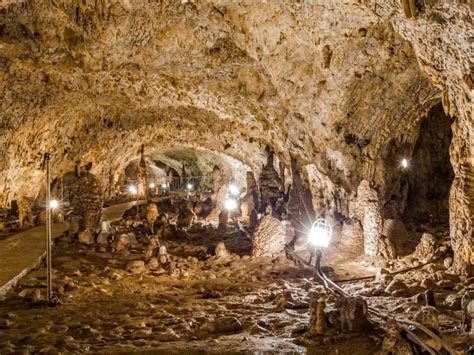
(53, 204)
(404, 163)
(233, 190)
(320, 233)
(132, 189)
(152, 185)
(164, 185)
(230, 204)
(189, 186)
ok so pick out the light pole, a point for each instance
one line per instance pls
(50, 205)
(319, 237)
(133, 190)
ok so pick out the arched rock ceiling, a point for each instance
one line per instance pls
(93, 80)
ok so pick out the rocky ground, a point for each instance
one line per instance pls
(205, 297)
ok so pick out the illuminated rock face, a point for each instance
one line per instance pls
(341, 87)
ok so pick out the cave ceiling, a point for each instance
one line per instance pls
(91, 81)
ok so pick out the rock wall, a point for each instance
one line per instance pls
(440, 34)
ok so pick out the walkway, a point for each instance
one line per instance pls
(23, 251)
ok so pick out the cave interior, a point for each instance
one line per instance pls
(236, 176)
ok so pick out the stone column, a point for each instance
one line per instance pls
(142, 184)
(270, 183)
(86, 203)
(461, 201)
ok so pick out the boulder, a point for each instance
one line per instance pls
(453, 302)
(136, 266)
(395, 285)
(86, 237)
(426, 249)
(221, 251)
(428, 316)
(103, 238)
(122, 243)
(223, 325)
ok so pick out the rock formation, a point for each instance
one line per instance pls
(269, 237)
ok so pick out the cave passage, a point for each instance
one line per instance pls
(430, 180)
(194, 177)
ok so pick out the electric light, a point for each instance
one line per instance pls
(404, 163)
(53, 204)
(152, 185)
(132, 189)
(234, 190)
(164, 185)
(189, 186)
(320, 233)
(230, 204)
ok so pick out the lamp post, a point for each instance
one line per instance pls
(133, 190)
(50, 205)
(319, 237)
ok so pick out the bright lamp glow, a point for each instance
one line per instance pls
(320, 233)
(230, 204)
(53, 204)
(132, 189)
(152, 185)
(164, 185)
(189, 186)
(234, 190)
(404, 163)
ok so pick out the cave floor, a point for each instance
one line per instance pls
(194, 303)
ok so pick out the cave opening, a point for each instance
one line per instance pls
(431, 176)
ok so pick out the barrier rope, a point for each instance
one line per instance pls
(332, 287)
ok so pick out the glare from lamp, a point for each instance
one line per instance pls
(233, 190)
(164, 186)
(320, 233)
(230, 204)
(404, 163)
(132, 189)
(189, 186)
(152, 185)
(53, 204)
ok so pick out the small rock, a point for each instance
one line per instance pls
(426, 249)
(103, 239)
(163, 258)
(136, 266)
(428, 316)
(448, 262)
(153, 263)
(395, 285)
(211, 294)
(221, 251)
(428, 283)
(223, 325)
(446, 284)
(122, 243)
(453, 302)
(5, 324)
(86, 237)
(169, 335)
